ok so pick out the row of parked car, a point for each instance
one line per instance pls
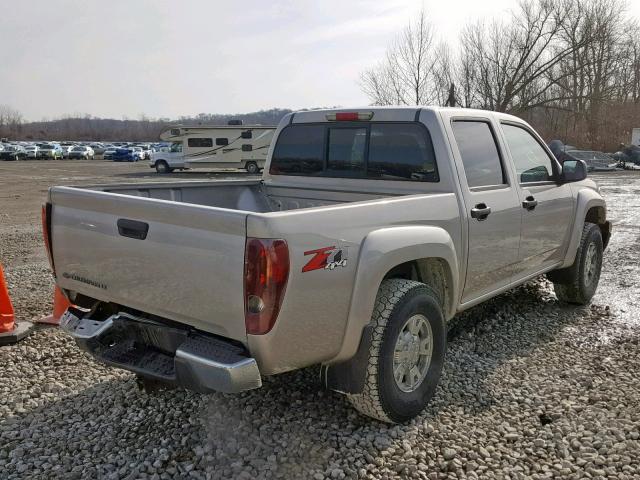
(627, 158)
(119, 151)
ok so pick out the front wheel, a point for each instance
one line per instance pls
(406, 354)
(162, 167)
(252, 167)
(577, 284)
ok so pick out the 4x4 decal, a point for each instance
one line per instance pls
(326, 258)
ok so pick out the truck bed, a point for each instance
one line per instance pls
(193, 246)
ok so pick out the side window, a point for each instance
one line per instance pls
(401, 152)
(246, 134)
(531, 160)
(299, 151)
(479, 152)
(176, 148)
(200, 142)
(247, 147)
(222, 141)
(346, 149)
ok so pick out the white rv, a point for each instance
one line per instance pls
(217, 146)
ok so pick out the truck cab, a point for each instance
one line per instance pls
(168, 159)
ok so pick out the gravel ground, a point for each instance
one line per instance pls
(531, 388)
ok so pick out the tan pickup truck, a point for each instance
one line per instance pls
(369, 229)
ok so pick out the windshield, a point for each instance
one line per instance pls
(78, 149)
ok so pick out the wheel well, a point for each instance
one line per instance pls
(434, 272)
(598, 216)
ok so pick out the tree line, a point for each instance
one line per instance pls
(569, 67)
(87, 128)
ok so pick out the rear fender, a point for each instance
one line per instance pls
(381, 251)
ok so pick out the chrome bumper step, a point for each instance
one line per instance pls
(157, 351)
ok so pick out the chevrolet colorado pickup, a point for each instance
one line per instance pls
(367, 232)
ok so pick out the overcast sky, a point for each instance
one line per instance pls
(162, 58)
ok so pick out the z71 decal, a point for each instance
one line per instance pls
(326, 258)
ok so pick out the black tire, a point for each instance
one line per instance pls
(578, 283)
(252, 167)
(397, 301)
(162, 167)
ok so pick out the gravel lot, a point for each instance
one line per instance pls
(531, 388)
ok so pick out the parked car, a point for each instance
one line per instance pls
(367, 232)
(12, 152)
(596, 161)
(108, 153)
(32, 151)
(628, 156)
(50, 151)
(146, 151)
(66, 150)
(137, 153)
(98, 148)
(122, 155)
(81, 152)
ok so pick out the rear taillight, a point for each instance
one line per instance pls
(46, 233)
(266, 271)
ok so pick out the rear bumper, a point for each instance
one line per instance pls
(173, 355)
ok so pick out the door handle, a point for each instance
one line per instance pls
(529, 203)
(480, 212)
(133, 228)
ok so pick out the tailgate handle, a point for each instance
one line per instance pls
(132, 228)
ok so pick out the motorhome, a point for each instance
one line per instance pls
(216, 146)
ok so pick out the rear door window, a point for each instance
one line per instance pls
(479, 152)
(382, 151)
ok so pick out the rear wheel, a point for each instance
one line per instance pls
(252, 167)
(407, 352)
(577, 284)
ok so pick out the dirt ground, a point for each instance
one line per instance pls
(531, 388)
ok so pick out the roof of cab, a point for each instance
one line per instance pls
(393, 113)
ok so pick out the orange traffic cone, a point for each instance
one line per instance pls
(10, 331)
(60, 305)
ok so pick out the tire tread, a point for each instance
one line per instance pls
(391, 291)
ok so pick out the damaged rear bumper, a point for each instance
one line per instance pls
(161, 352)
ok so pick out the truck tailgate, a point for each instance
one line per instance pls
(189, 267)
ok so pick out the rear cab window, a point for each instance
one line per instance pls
(400, 151)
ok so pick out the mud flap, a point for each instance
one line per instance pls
(349, 376)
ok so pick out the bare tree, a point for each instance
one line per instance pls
(515, 64)
(407, 75)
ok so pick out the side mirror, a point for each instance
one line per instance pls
(574, 170)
